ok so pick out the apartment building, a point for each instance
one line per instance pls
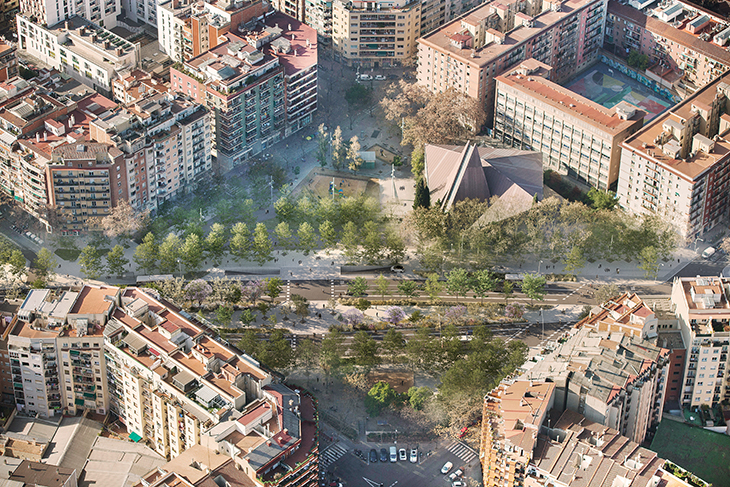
(6, 379)
(47, 12)
(8, 10)
(702, 307)
(512, 416)
(169, 380)
(373, 34)
(672, 340)
(318, 15)
(677, 167)
(187, 29)
(611, 378)
(292, 8)
(577, 137)
(261, 86)
(136, 85)
(626, 314)
(468, 53)
(87, 52)
(56, 351)
(8, 61)
(676, 39)
(165, 141)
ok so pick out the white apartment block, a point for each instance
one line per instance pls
(702, 307)
(50, 12)
(678, 166)
(142, 11)
(169, 380)
(576, 136)
(85, 51)
(56, 351)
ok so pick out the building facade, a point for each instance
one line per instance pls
(375, 34)
(677, 167)
(468, 53)
(626, 313)
(8, 60)
(576, 136)
(260, 86)
(46, 12)
(702, 307)
(318, 15)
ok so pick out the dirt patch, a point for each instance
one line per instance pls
(319, 181)
(400, 381)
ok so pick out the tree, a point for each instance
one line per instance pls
(395, 315)
(353, 154)
(284, 236)
(145, 255)
(417, 396)
(284, 208)
(198, 290)
(330, 352)
(372, 242)
(350, 240)
(507, 288)
(240, 242)
(191, 252)
(253, 290)
(261, 244)
(123, 221)
(364, 349)
(215, 244)
(328, 234)
(418, 165)
(433, 287)
(301, 306)
(458, 282)
(357, 287)
(381, 285)
(395, 248)
(483, 283)
(306, 355)
(358, 95)
(422, 198)
(533, 286)
(169, 253)
(421, 349)
(574, 260)
(605, 292)
(90, 262)
(393, 344)
(17, 263)
(323, 145)
(339, 150)
(408, 289)
(649, 261)
(601, 200)
(273, 287)
(379, 397)
(115, 261)
(637, 60)
(353, 317)
(249, 343)
(276, 352)
(307, 237)
(223, 315)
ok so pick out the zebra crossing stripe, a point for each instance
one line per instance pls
(331, 455)
(462, 451)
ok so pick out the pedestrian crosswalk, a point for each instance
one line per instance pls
(330, 455)
(462, 451)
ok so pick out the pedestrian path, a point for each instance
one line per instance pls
(576, 290)
(557, 333)
(330, 455)
(463, 452)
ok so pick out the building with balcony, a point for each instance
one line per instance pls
(47, 12)
(166, 143)
(577, 137)
(703, 309)
(187, 29)
(8, 10)
(677, 40)
(56, 351)
(468, 53)
(677, 166)
(261, 86)
(81, 49)
(8, 59)
(626, 314)
(512, 416)
(136, 85)
(292, 8)
(611, 378)
(375, 34)
(318, 15)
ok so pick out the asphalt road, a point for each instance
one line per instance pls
(705, 267)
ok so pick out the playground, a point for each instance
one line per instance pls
(320, 182)
(609, 87)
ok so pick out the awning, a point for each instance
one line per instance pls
(153, 351)
(79, 402)
(134, 437)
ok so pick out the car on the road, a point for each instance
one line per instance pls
(414, 455)
(456, 475)
(364, 77)
(398, 269)
(379, 77)
(447, 466)
(709, 251)
(373, 455)
(402, 455)
(383, 455)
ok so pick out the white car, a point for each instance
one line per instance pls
(402, 454)
(458, 483)
(456, 475)
(447, 466)
(380, 77)
(414, 455)
(364, 77)
(709, 251)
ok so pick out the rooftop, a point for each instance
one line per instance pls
(94, 300)
(626, 313)
(34, 473)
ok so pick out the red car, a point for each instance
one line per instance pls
(463, 431)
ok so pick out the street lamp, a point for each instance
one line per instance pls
(179, 265)
(538, 267)
(698, 239)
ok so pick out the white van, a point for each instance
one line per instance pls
(709, 252)
(393, 454)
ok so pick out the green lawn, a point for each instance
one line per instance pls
(704, 453)
(68, 254)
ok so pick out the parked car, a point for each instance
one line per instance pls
(393, 76)
(463, 431)
(383, 455)
(373, 455)
(709, 251)
(414, 455)
(393, 454)
(447, 466)
(402, 455)
(456, 475)
(458, 483)
(380, 77)
(364, 77)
